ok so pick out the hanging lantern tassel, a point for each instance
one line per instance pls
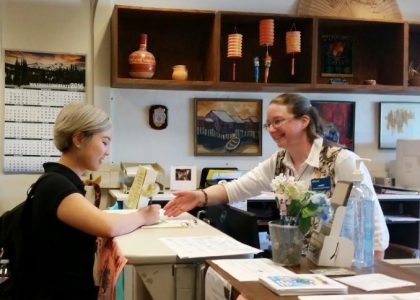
(234, 50)
(293, 45)
(267, 64)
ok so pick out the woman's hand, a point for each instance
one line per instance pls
(183, 201)
(150, 214)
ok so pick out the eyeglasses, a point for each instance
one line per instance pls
(277, 123)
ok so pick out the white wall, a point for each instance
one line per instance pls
(44, 26)
(65, 26)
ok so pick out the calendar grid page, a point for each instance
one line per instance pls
(37, 86)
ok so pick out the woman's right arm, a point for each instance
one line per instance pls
(187, 200)
(76, 211)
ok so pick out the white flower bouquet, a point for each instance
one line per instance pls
(297, 204)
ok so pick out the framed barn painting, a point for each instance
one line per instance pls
(227, 127)
(339, 117)
(398, 120)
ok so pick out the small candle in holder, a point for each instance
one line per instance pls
(179, 72)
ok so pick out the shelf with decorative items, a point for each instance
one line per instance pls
(174, 37)
(264, 60)
(359, 54)
(244, 51)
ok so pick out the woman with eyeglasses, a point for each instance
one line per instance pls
(295, 126)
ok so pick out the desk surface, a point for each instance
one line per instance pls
(143, 246)
(254, 290)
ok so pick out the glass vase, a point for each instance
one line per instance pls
(286, 243)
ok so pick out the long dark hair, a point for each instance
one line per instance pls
(300, 106)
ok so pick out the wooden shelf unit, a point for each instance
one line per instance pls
(280, 70)
(378, 49)
(381, 51)
(175, 37)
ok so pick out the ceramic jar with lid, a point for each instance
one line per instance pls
(179, 72)
(142, 63)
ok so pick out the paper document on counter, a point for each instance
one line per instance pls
(250, 269)
(405, 296)
(176, 223)
(207, 246)
(374, 282)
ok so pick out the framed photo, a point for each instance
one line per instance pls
(398, 120)
(183, 178)
(339, 117)
(336, 55)
(227, 127)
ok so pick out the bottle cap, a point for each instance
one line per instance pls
(357, 173)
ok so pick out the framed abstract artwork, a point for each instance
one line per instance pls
(227, 127)
(398, 120)
(339, 117)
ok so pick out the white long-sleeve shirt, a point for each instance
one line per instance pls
(259, 179)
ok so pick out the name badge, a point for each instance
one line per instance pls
(321, 184)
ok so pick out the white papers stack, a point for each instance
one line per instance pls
(303, 284)
(374, 282)
(207, 246)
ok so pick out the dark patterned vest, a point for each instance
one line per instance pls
(327, 157)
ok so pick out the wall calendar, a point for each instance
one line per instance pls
(37, 86)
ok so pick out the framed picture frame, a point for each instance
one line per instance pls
(336, 56)
(339, 118)
(398, 120)
(227, 127)
(183, 178)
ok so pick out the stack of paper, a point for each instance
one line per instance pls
(374, 282)
(207, 246)
(303, 284)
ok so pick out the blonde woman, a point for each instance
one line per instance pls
(64, 224)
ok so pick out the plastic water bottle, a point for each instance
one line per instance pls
(358, 220)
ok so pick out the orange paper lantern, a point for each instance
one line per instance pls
(234, 50)
(293, 45)
(267, 39)
(234, 45)
(267, 32)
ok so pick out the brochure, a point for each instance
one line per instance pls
(303, 284)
